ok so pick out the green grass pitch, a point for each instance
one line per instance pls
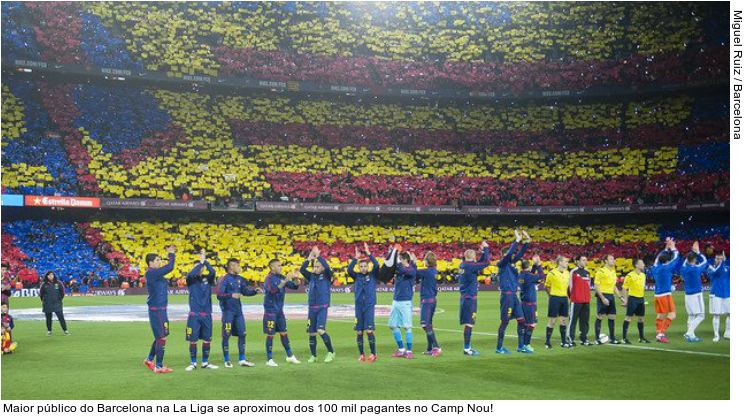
(104, 361)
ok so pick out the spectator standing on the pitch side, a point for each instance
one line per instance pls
(51, 292)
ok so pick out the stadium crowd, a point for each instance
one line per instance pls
(132, 142)
(423, 45)
(111, 251)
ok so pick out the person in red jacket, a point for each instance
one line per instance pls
(580, 295)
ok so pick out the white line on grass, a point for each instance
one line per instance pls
(638, 347)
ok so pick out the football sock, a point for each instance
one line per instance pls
(327, 341)
(562, 330)
(372, 342)
(241, 347)
(192, 351)
(398, 338)
(360, 343)
(314, 345)
(269, 346)
(409, 339)
(285, 343)
(205, 351)
(466, 336)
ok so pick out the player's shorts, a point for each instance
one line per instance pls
(427, 312)
(510, 307)
(530, 312)
(274, 322)
(364, 317)
(199, 327)
(317, 316)
(694, 304)
(720, 306)
(468, 310)
(636, 306)
(402, 314)
(233, 323)
(557, 306)
(159, 322)
(664, 304)
(603, 309)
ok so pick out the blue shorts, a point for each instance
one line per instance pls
(317, 316)
(510, 307)
(159, 322)
(199, 327)
(468, 310)
(427, 312)
(636, 306)
(233, 323)
(606, 310)
(274, 322)
(530, 312)
(557, 306)
(364, 317)
(402, 314)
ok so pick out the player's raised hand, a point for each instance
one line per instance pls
(171, 248)
(696, 247)
(517, 235)
(366, 248)
(526, 236)
(483, 245)
(202, 256)
(357, 254)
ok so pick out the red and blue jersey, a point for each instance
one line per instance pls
(508, 273)
(691, 274)
(200, 288)
(319, 285)
(404, 280)
(365, 285)
(528, 284)
(663, 272)
(229, 284)
(720, 279)
(157, 284)
(428, 278)
(468, 277)
(273, 294)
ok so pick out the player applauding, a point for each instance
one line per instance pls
(157, 306)
(365, 299)
(274, 320)
(318, 300)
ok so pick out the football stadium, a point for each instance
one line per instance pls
(365, 200)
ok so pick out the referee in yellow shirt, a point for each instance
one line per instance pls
(556, 284)
(605, 286)
(633, 290)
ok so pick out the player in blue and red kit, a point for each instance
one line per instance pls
(318, 301)
(157, 306)
(511, 308)
(365, 299)
(199, 323)
(528, 280)
(274, 321)
(428, 278)
(468, 281)
(231, 288)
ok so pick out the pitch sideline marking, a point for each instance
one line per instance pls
(638, 347)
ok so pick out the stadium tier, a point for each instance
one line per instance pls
(122, 244)
(424, 45)
(130, 141)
